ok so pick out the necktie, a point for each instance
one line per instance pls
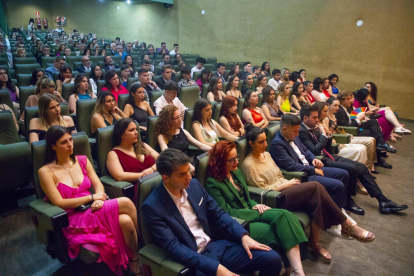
(324, 150)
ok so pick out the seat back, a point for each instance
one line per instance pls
(5, 99)
(157, 70)
(271, 131)
(242, 150)
(26, 60)
(122, 101)
(259, 104)
(212, 61)
(153, 97)
(240, 104)
(241, 83)
(146, 185)
(33, 112)
(100, 85)
(24, 93)
(26, 68)
(80, 147)
(67, 90)
(224, 86)
(96, 60)
(209, 66)
(4, 61)
(197, 76)
(104, 145)
(205, 91)
(177, 77)
(84, 112)
(216, 112)
(201, 165)
(190, 62)
(230, 65)
(8, 133)
(23, 80)
(189, 95)
(72, 59)
(188, 119)
(152, 122)
(130, 81)
(185, 57)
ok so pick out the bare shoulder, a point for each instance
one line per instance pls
(68, 120)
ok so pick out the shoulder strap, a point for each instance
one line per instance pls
(82, 161)
(53, 173)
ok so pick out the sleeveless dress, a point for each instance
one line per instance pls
(335, 90)
(99, 231)
(107, 123)
(326, 93)
(85, 96)
(257, 117)
(286, 106)
(179, 141)
(212, 136)
(272, 111)
(42, 133)
(140, 115)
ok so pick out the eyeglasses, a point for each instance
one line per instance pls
(176, 118)
(233, 160)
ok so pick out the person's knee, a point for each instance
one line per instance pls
(125, 222)
(272, 260)
(125, 203)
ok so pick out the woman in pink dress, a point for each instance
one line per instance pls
(108, 227)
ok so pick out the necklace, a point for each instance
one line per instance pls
(68, 170)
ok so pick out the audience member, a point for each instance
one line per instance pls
(37, 75)
(120, 52)
(221, 68)
(294, 77)
(165, 60)
(163, 47)
(65, 76)
(151, 52)
(201, 248)
(265, 69)
(317, 93)
(251, 112)
(109, 63)
(297, 96)
(145, 64)
(229, 119)
(137, 108)
(333, 80)
(175, 50)
(5, 107)
(105, 113)
(308, 88)
(21, 53)
(85, 66)
(166, 72)
(87, 52)
(7, 83)
(205, 78)
(275, 81)
(57, 63)
(124, 75)
(146, 82)
(248, 84)
(269, 105)
(49, 114)
(233, 86)
(67, 52)
(186, 78)
(81, 49)
(128, 49)
(247, 71)
(204, 128)
(285, 74)
(177, 59)
(129, 61)
(135, 45)
(113, 85)
(283, 99)
(199, 65)
(96, 75)
(256, 71)
(261, 83)
(215, 87)
(81, 91)
(326, 88)
(235, 71)
(170, 98)
(66, 180)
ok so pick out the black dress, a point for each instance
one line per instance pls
(140, 115)
(179, 141)
(42, 133)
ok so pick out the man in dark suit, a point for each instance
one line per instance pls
(317, 141)
(221, 68)
(166, 72)
(369, 128)
(187, 223)
(290, 154)
(85, 66)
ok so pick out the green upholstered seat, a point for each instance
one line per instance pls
(152, 122)
(26, 68)
(229, 65)
(117, 60)
(104, 145)
(99, 85)
(84, 112)
(157, 70)
(188, 119)
(240, 104)
(24, 93)
(189, 95)
(4, 61)
(130, 81)
(210, 67)
(76, 64)
(156, 78)
(6, 99)
(26, 60)
(185, 57)
(224, 86)
(189, 61)
(95, 60)
(197, 76)
(212, 61)
(259, 104)
(153, 97)
(195, 56)
(177, 77)
(122, 100)
(67, 90)
(23, 80)
(216, 112)
(71, 59)
(241, 83)
(271, 131)
(205, 91)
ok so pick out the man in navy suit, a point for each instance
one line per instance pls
(186, 222)
(290, 154)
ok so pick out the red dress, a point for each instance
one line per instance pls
(133, 165)
(121, 90)
(310, 97)
(326, 93)
(257, 117)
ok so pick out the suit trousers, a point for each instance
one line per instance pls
(233, 256)
(356, 171)
(372, 128)
(335, 181)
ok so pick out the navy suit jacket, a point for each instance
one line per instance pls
(286, 158)
(309, 142)
(171, 232)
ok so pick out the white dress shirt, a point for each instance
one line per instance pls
(195, 69)
(161, 102)
(298, 152)
(274, 83)
(190, 218)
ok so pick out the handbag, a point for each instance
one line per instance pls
(85, 206)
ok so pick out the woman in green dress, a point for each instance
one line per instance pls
(277, 228)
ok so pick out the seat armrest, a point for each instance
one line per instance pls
(350, 130)
(342, 138)
(268, 197)
(334, 149)
(302, 176)
(116, 189)
(154, 253)
(48, 215)
(243, 223)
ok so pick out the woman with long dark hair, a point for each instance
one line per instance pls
(81, 91)
(96, 75)
(37, 75)
(269, 105)
(266, 69)
(215, 90)
(7, 83)
(113, 85)
(297, 97)
(232, 88)
(251, 112)
(65, 76)
(137, 107)
(205, 78)
(229, 119)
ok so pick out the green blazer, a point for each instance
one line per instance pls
(228, 198)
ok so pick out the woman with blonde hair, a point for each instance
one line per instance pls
(81, 91)
(49, 115)
(21, 53)
(283, 99)
(261, 83)
(285, 75)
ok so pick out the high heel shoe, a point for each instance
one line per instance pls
(321, 252)
(129, 272)
(364, 239)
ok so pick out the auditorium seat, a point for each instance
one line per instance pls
(241, 82)
(5, 99)
(4, 61)
(23, 80)
(46, 60)
(152, 122)
(210, 66)
(122, 101)
(153, 97)
(189, 95)
(100, 84)
(24, 93)
(240, 104)
(229, 65)
(95, 60)
(130, 81)
(67, 90)
(216, 111)
(197, 76)
(84, 112)
(26, 60)
(188, 119)
(224, 86)
(212, 61)
(177, 77)
(185, 57)
(26, 68)
(11, 72)
(205, 91)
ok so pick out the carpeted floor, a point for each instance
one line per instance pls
(392, 253)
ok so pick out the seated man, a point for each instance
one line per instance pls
(45, 53)
(113, 49)
(57, 63)
(290, 154)
(145, 64)
(146, 82)
(199, 66)
(186, 80)
(175, 50)
(151, 52)
(220, 71)
(128, 49)
(81, 50)
(275, 80)
(186, 222)
(109, 63)
(366, 128)
(169, 97)
(316, 141)
(120, 52)
(247, 70)
(86, 65)
(165, 60)
(68, 52)
(166, 72)
(163, 46)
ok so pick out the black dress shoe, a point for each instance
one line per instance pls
(384, 154)
(375, 172)
(352, 207)
(386, 147)
(383, 164)
(390, 206)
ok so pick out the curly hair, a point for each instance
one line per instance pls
(165, 123)
(217, 159)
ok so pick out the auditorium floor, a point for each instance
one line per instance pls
(392, 253)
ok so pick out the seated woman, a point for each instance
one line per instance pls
(285, 74)
(170, 134)
(372, 103)
(131, 158)
(260, 170)
(21, 53)
(269, 105)
(87, 52)
(102, 53)
(81, 91)
(248, 84)
(294, 77)
(37, 75)
(96, 75)
(108, 227)
(105, 113)
(113, 85)
(251, 112)
(233, 86)
(317, 92)
(138, 108)
(276, 228)
(65, 76)
(235, 71)
(177, 59)
(229, 119)
(266, 69)
(124, 75)
(205, 78)
(7, 83)
(129, 61)
(333, 80)
(297, 96)
(386, 120)
(205, 129)
(302, 75)
(283, 99)
(261, 83)
(49, 115)
(327, 89)
(308, 88)
(215, 94)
